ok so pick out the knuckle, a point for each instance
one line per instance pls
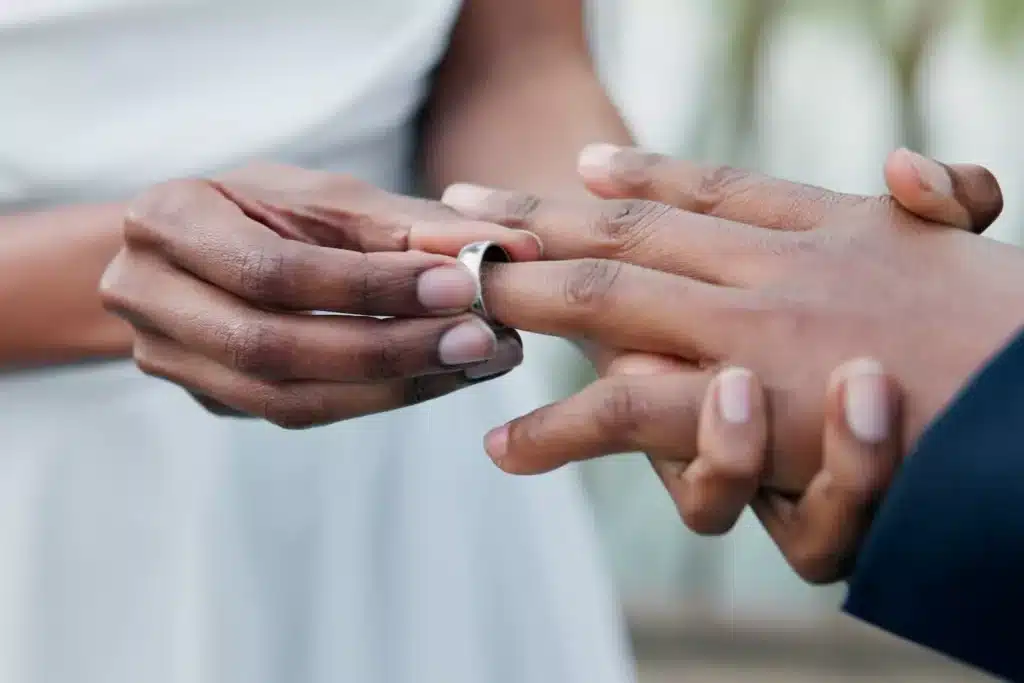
(815, 564)
(264, 275)
(163, 211)
(620, 415)
(259, 348)
(149, 362)
(380, 357)
(703, 520)
(525, 434)
(737, 467)
(590, 283)
(368, 284)
(718, 185)
(629, 224)
(518, 206)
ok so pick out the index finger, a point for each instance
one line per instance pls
(199, 230)
(614, 415)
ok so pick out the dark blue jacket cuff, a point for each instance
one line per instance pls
(943, 564)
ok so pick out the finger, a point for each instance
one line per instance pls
(293, 405)
(733, 194)
(613, 415)
(640, 232)
(277, 345)
(712, 491)
(964, 196)
(618, 305)
(346, 213)
(821, 533)
(196, 228)
(450, 236)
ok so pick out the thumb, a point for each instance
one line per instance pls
(964, 196)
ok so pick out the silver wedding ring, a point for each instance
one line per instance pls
(474, 256)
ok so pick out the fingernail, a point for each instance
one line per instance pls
(597, 160)
(470, 342)
(932, 175)
(463, 196)
(540, 243)
(734, 389)
(509, 354)
(866, 401)
(446, 289)
(496, 443)
(622, 165)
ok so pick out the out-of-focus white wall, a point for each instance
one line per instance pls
(825, 117)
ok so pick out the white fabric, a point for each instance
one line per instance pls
(144, 541)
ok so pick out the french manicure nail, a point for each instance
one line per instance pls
(933, 176)
(866, 401)
(446, 289)
(734, 389)
(509, 355)
(470, 342)
(466, 197)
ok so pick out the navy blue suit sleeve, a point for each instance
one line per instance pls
(943, 564)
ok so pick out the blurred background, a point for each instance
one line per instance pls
(815, 91)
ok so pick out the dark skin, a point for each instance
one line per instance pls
(650, 402)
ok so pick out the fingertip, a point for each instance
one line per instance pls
(613, 172)
(597, 160)
(904, 180)
(467, 197)
(863, 401)
(496, 444)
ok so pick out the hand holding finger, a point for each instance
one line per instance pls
(821, 532)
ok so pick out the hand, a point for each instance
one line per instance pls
(219, 277)
(820, 531)
(963, 196)
(789, 305)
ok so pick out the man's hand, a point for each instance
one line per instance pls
(711, 491)
(964, 196)
(820, 531)
(863, 279)
(219, 279)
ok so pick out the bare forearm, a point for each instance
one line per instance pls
(519, 127)
(50, 265)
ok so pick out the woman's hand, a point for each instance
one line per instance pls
(218, 278)
(855, 278)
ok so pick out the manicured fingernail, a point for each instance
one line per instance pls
(597, 160)
(496, 443)
(470, 342)
(866, 401)
(446, 289)
(932, 175)
(509, 355)
(466, 197)
(734, 389)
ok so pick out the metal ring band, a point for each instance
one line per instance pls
(474, 256)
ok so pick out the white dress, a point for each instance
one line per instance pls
(145, 541)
